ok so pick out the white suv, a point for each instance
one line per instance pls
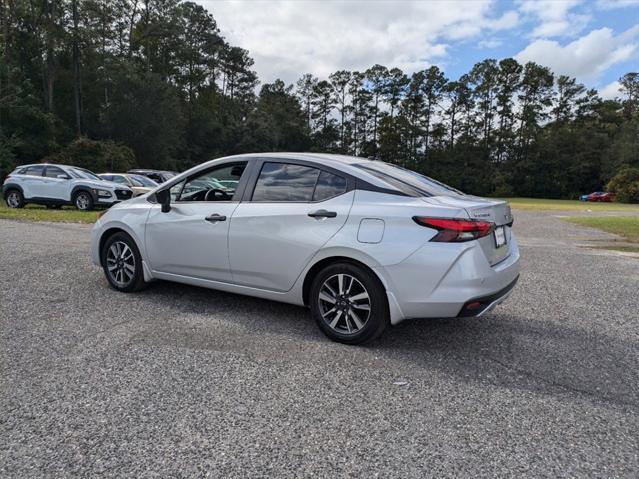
(57, 185)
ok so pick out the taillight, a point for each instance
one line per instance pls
(455, 230)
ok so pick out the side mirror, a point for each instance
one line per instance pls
(164, 198)
(64, 177)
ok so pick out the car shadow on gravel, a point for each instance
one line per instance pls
(500, 349)
(534, 354)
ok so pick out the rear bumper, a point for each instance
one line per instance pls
(480, 306)
(440, 279)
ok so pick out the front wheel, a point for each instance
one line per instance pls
(349, 303)
(122, 263)
(83, 201)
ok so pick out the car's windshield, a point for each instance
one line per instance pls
(143, 181)
(83, 173)
(405, 179)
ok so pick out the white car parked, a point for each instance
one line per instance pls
(57, 185)
(363, 243)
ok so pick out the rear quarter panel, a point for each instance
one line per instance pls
(401, 235)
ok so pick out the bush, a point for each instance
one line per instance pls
(625, 185)
(94, 155)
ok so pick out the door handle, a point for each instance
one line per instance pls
(214, 218)
(322, 214)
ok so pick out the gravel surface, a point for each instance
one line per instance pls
(178, 381)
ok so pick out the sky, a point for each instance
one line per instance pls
(596, 41)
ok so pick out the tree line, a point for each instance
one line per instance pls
(109, 84)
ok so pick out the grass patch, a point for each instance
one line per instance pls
(567, 205)
(625, 226)
(67, 214)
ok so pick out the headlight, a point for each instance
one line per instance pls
(103, 193)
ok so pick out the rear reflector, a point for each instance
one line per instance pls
(455, 230)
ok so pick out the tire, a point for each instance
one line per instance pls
(14, 199)
(360, 288)
(118, 251)
(83, 201)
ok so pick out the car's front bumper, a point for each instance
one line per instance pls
(440, 279)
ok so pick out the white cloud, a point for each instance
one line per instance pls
(586, 57)
(610, 91)
(554, 17)
(490, 44)
(612, 4)
(289, 38)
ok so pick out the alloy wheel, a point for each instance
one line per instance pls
(13, 199)
(120, 263)
(344, 303)
(82, 201)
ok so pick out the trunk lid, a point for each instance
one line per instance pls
(486, 209)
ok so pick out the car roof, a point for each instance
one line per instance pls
(318, 157)
(144, 170)
(46, 164)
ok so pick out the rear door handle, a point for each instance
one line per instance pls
(214, 218)
(322, 214)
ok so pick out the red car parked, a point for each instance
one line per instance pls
(601, 196)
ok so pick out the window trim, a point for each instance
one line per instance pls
(259, 163)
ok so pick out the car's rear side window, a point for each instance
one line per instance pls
(35, 170)
(285, 182)
(328, 185)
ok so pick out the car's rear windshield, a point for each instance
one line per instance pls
(407, 181)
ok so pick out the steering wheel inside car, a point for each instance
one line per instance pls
(215, 194)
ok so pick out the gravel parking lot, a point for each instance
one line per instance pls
(180, 381)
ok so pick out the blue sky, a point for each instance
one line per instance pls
(595, 41)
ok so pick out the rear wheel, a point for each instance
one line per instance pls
(349, 303)
(122, 263)
(14, 199)
(83, 201)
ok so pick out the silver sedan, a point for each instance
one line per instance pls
(362, 243)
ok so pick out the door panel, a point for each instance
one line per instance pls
(183, 242)
(53, 187)
(192, 238)
(271, 243)
(33, 182)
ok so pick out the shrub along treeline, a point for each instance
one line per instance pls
(109, 84)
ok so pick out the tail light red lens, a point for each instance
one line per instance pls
(455, 230)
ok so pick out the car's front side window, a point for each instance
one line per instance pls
(54, 172)
(285, 182)
(218, 184)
